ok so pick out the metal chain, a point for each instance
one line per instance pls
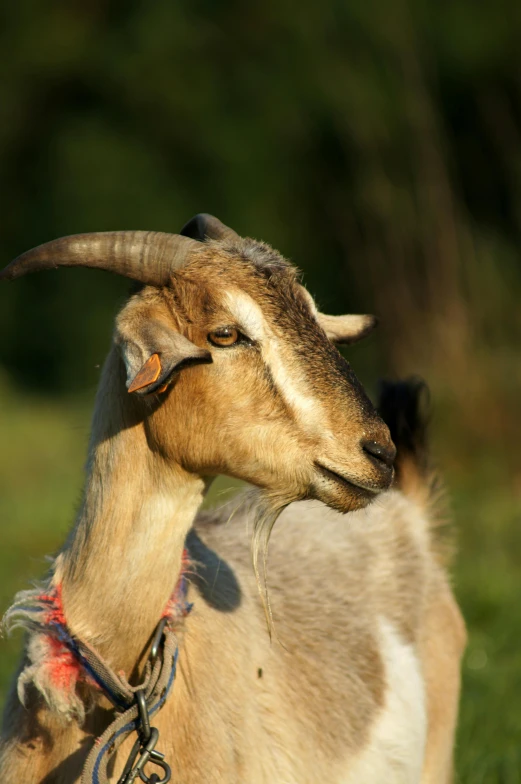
(143, 701)
(145, 748)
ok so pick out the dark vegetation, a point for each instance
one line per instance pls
(379, 146)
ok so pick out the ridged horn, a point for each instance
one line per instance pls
(204, 226)
(146, 256)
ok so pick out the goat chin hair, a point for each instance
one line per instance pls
(262, 508)
(265, 508)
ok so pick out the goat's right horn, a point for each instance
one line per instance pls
(149, 257)
(204, 226)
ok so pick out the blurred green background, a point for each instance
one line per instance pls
(378, 145)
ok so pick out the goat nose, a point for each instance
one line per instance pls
(384, 454)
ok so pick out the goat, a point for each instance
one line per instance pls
(221, 364)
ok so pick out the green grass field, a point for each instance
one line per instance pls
(43, 449)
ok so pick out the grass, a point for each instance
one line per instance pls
(487, 570)
(43, 449)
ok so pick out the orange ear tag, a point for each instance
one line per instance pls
(149, 373)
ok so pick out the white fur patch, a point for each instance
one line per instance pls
(292, 388)
(396, 747)
(246, 313)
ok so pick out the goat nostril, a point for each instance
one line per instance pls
(385, 454)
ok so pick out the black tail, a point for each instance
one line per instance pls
(404, 407)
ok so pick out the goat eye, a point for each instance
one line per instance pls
(226, 336)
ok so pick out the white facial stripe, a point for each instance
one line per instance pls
(246, 313)
(293, 389)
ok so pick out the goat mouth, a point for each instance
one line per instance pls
(361, 491)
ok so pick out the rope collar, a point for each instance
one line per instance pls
(140, 703)
(135, 704)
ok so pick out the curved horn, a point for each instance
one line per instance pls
(203, 226)
(146, 256)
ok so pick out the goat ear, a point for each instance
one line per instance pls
(155, 354)
(346, 329)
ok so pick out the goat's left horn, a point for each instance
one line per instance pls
(204, 226)
(149, 257)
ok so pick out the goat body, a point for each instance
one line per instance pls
(361, 681)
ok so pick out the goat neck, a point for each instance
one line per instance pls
(123, 558)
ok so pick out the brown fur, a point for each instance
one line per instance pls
(304, 709)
